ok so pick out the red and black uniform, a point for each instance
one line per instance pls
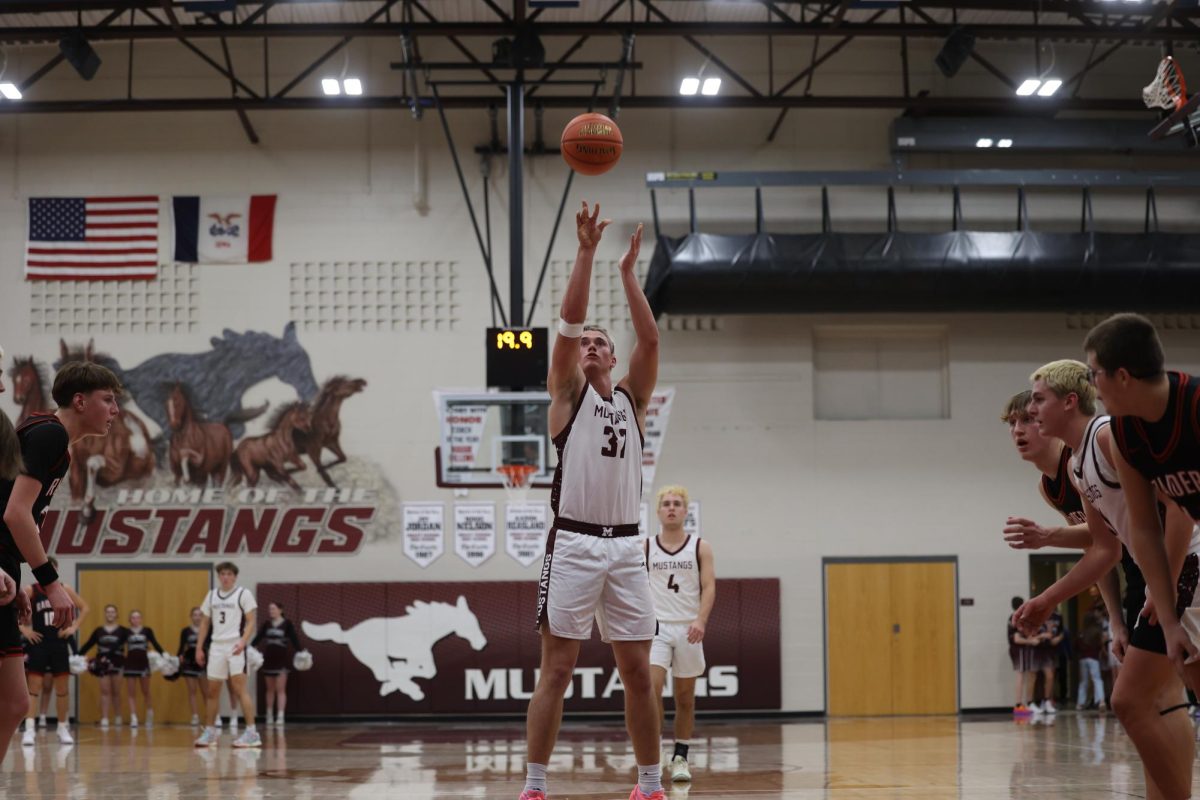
(137, 652)
(110, 650)
(44, 452)
(1167, 452)
(52, 654)
(275, 640)
(1065, 498)
(188, 638)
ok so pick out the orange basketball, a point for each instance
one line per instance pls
(591, 144)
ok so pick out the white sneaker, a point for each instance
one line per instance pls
(279, 721)
(117, 722)
(133, 720)
(1048, 708)
(64, 734)
(1036, 708)
(679, 770)
(195, 720)
(42, 721)
(208, 738)
(248, 739)
(27, 738)
(270, 719)
(104, 723)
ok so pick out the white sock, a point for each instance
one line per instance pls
(650, 778)
(535, 777)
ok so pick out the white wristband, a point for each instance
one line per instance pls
(571, 330)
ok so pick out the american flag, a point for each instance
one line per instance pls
(92, 238)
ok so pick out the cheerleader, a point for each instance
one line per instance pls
(109, 641)
(273, 639)
(137, 667)
(193, 673)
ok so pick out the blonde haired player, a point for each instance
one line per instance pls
(684, 584)
(230, 609)
(595, 565)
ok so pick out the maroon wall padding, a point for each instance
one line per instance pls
(742, 638)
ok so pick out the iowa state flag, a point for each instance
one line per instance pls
(224, 230)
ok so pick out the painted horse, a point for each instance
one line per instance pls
(273, 451)
(199, 450)
(31, 387)
(326, 430)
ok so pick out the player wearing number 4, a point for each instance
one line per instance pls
(230, 610)
(685, 588)
(595, 564)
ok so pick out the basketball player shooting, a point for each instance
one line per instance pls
(595, 564)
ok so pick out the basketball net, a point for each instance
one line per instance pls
(516, 480)
(1167, 90)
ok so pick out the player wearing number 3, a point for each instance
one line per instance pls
(685, 588)
(595, 565)
(230, 610)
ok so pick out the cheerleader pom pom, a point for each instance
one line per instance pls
(254, 659)
(302, 661)
(156, 661)
(170, 666)
(77, 664)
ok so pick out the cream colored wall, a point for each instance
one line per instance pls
(779, 489)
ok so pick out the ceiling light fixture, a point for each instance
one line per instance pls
(10, 91)
(689, 86)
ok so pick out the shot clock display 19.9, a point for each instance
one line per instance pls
(516, 357)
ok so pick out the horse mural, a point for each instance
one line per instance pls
(219, 377)
(199, 450)
(31, 387)
(326, 430)
(125, 454)
(399, 649)
(273, 451)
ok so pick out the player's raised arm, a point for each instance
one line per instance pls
(643, 360)
(566, 378)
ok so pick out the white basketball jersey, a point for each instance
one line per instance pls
(1096, 479)
(227, 612)
(599, 475)
(675, 580)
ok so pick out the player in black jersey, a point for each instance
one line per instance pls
(1156, 428)
(273, 639)
(46, 653)
(194, 674)
(86, 394)
(109, 641)
(136, 668)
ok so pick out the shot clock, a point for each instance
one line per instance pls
(516, 358)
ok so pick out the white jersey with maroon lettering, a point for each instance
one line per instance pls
(675, 579)
(599, 476)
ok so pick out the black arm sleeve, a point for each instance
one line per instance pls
(91, 642)
(290, 630)
(152, 640)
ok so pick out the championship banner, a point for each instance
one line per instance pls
(475, 532)
(525, 529)
(657, 415)
(424, 532)
(224, 230)
(463, 429)
(389, 649)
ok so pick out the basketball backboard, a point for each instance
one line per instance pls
(481, 431)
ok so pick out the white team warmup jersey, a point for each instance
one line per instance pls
(227, 611)
(675, 579)
(1096, 479)
(599, 476)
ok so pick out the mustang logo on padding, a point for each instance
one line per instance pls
(399, 649)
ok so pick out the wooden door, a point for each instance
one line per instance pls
(165, 596)
(891, 638)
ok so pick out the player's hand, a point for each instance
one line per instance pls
(8, 588)
(24, 609)
(1120, 642)
(69, 631)
(1180, 648)
(60, 601)
(1031, 615)
(1025, 534)
(589, 227)
(1148, 611)
(629, 260)
(200, 657)
(696, 629)
(239, 648)
(34, 637)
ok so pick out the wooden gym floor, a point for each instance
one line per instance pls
(1078, 757)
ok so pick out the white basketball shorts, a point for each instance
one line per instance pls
(222, 663)
(586, 576)
(672, 651)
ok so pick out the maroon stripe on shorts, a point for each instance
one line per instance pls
(543, 613)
